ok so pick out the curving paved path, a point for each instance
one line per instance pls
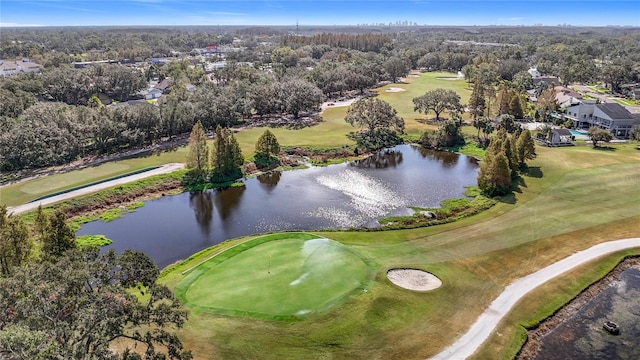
(488, 321)
(164, 169)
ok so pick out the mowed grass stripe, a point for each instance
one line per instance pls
(582, 198)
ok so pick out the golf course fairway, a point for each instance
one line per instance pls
(276, 276)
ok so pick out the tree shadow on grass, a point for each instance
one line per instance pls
(534, 172)
(508, 199)
(605, 148)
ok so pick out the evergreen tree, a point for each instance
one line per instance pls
(515, 106)
(503, 100)
(40, 222)
(494, 176)
(509, 151)
(476, 101)
(15, 243)
(234, 153)
(59, 237)
(226, 156)
(525, 147)
(198, 157)
(267, 145)
(218, 153)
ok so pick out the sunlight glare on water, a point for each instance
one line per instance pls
(369, 196)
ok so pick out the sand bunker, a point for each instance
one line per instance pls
(413, 279)
(395, 89)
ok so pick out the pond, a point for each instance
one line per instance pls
(582, 336)
(347, 195)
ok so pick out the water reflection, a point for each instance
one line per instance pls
(202, 204)
(335, 196)
(227, 200)
(448, 159)
(269, 180)
(381, 160)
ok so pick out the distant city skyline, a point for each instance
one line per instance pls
(307, 12)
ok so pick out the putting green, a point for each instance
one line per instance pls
(276, 276)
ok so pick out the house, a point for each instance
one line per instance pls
(150, 93)
(8, 68)
(560, 137)
(164, 86)
(612, 117)
(548, 80)
(566, 97)
(635, 95)
(28, 66)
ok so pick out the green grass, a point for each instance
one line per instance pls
(625, 102)
(598, 89)
(469, 149)
(93, 240)
(561, 207)
(283, 276)
(105, 216)
(23, 192)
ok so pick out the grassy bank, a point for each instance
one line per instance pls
(552, 216)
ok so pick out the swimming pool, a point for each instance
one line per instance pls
(578, 132)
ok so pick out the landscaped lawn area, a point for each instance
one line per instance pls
(598, 89)
(625, 102)
(289, 275)
(560, 207)
(23, 192)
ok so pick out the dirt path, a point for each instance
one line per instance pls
(164, 169)
(466, 345)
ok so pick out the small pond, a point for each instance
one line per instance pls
(582, 336)
(352, 194)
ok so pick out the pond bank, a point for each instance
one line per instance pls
(535, 335)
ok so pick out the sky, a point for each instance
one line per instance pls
(309, 12)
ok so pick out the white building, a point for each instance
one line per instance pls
(534, 73)
(610, 116)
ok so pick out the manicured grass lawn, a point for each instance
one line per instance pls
(560, 208)
(332, 132)
(282, 276)
(24, 192)
(598, 89)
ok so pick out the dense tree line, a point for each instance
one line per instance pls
(361, 42)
